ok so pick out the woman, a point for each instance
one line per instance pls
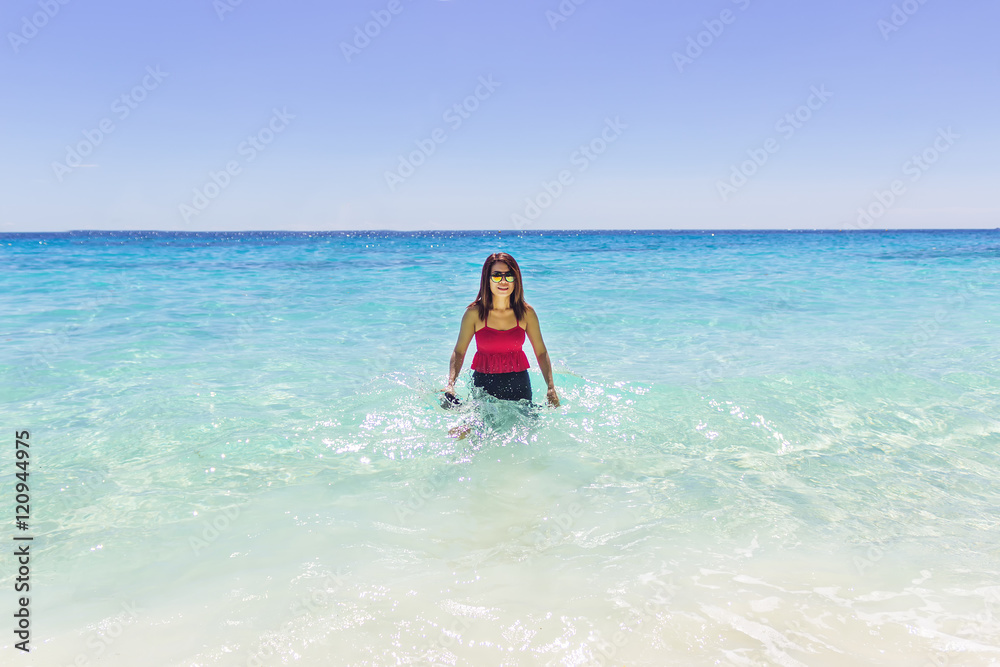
(499, 318)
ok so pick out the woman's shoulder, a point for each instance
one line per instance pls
(471, 314)
(530, 316)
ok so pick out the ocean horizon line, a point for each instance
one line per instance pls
(476, 232)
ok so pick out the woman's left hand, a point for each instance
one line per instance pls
(553, 397)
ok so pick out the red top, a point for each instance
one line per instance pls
(499, 351)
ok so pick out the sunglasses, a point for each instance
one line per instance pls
(496, 276)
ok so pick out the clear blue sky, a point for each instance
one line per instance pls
(894, 80)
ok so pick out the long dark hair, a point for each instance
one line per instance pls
(484, 302)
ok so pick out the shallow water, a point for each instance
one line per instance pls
(771, 448)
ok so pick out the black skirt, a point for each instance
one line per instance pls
(505, 386)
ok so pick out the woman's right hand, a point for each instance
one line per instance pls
(450, 400)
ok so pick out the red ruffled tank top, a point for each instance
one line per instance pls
(500, 351)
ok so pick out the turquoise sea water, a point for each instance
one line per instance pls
(773, 448)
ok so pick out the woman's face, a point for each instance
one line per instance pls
(502, 289)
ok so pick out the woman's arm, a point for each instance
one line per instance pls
(454, 368)
(545, 365)
(534, 332)
(465, 334)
